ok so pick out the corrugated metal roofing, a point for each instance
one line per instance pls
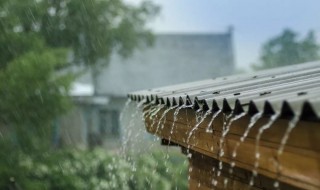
(289, 91)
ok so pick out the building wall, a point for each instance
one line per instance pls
(173, 59)
(89, 125)
(72, 128)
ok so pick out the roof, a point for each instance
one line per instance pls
(289, 91)
(174, 58)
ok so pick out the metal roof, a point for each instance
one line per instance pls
(290, 91)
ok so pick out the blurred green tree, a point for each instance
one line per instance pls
(92, 29)
(32, 95)
(96, 169)
(37, 40)
(287, 49)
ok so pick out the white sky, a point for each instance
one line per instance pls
(254, 21)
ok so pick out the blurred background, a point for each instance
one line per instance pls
(66, 67)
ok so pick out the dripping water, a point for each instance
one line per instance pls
(130, 123)
(125, 108)
(252, 122)
(272, 119)
(152, 117)
(199, 114)
(162, 121)
(200, 120)
(123, 113)
(175, 117)
(163, 117)
(228, 120)
(209, 128)
(291, 125)
(221, 152)
(148, 109)
(154, 114)
(166, 157)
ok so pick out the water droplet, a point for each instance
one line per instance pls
(276, 184)
(225, 182)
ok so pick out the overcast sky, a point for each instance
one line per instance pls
(254, 21)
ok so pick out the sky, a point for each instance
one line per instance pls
(254, 21)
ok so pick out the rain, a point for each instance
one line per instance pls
(152, 94)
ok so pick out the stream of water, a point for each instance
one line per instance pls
(151, 112)
(163, 117)
(272, 119)
(130, 122)
(291, 125)
(228, 120)
(209, 128)
(252, 122)
(199, 121)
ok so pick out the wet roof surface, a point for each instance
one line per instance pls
(289, 91)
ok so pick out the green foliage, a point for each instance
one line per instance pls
(287, 49)
(94, 28)
(32, 95)
(36, 36)
(13, 45)
(91, 29)
(31, 91)
(33, 34)
(74, 169)
(158, 170)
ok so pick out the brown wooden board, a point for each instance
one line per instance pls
(203, 170)
(298, 165)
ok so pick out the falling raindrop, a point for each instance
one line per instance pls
(209, 128)
(198, 124)
(276, 184)
(153, 115)
(175, 118)
(163, 116)
(125, 108)
(291, 125)
(225, 182)
(272, 119)
(252, 122)
(129, 124)
(146, 110)
(225, 130)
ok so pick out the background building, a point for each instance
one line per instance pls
(174, 58)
